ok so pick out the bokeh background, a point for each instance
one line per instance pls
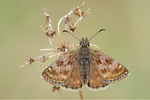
(127, 39)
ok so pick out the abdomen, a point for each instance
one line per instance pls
(84, 62)
(84, 71)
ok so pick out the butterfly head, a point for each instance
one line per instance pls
(84, 42)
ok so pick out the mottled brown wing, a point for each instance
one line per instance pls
(108, 68)
(94, 80)
(74, 80)
(59, 72)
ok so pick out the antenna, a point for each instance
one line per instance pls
(96, 33)
(71, 34)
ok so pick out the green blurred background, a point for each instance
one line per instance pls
(127, 39)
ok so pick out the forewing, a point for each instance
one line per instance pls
(108, 68)
(94, 80)
(59, 72)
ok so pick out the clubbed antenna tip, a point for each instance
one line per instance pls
(71, 34)
(97, 33)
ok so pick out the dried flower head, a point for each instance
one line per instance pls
(57, 39)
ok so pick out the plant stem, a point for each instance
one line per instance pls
(81, 96)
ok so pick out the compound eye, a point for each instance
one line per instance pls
(88, 44)
(80, 43)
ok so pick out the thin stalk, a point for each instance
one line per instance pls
(81, 95)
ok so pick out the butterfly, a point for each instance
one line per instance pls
(84, 66)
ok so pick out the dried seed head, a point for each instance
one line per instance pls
(68, 19)
(49, 31)
(72, 28)
(42, 59)
(48, 19)
(76, 11)
(83, 13)
(55, 88)
(62, 48)
(30, 61)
